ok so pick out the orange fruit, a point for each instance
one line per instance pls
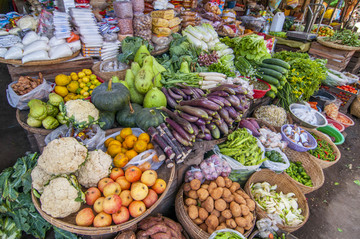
(120, 160)
(149, 146)
(145, 137)
(118, 138)
(140, 146)
(124, 145)
(130, 141)
(106, 143)
(113, 150)
(131, 154)
(125, 132)
(123, 150)
(114, 142)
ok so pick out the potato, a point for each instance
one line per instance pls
(240, 229)
(223, 224)
(187, 187)
(244, 210)
(230, 223)
(239, 199)
(227, 214)
(202, 194)
(220, 181)
(250, 204)
(241, 222)
(212, 186)
(205, 186)
(212, 222)
(220, 227)
(198, 221)
(248, 227)
(193, 211)
(229, 199)
(193, 194)
(228, 182)
(208, 204)
(226, 193)
(215, 213)
(249, 218)
(243, 194)
(220, 205)
(210, 230)
(234, 186)
(195, 184)
(216, 193)
(203, 214)
(222, 219)
(235, 209)
(203, 227)
(190, 201)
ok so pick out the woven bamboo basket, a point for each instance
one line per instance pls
(264, 123)
(107, 75)
(355, 108)
(68, 223)
(277, 129)
(194, 231)
(334, 45)
(311, 167)
(287, 235)
(284, 185)
(39, 63)
(21, 117)
(322, 163)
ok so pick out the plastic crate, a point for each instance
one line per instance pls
(345, 96)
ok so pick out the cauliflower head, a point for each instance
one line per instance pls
(97, 166)
(80, 110)
(58, 198)
(39, 178)
(62, 156)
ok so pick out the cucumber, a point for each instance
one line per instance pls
(280, 87)
(274, 89)
(271, 94)
(275, 68)
(268, 79)
(271, 72)
(282, 83)
(278, 62)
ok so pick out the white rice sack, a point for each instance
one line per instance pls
(30, 37)
(44, 38)
(74, 46)
(3, 51)
(14, 53)
(36, 46)
(60, 51)
(54, 41)
(14, 31)
(3, 33)
(19, 44)
(36, 56)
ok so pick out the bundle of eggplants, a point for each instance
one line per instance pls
(196, 115)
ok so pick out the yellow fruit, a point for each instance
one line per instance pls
(74, 77)
(80, 81)
(81, 74)
(131, 154)
(86, 94)
(113, 150)
(73, 86)
(87, 72)
(140, 146)
(149, 146)
(82, 92)
(106, 143)
(88, 84)
(90, 92)
(86, 79)
(93, 77)
(118, 138)
(86, 88)
(130, 141)
(120, 160)
(96, 81)
(82, 85)
(123, 150)
(61, 90)
(124, 145)
(145, 137)
(114, 142)
(92, 87)
(125, 132)
(62, 80)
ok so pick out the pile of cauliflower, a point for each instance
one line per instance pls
(64, 165)
(80, 113)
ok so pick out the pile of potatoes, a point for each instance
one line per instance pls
(219, 204)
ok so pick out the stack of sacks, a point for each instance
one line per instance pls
(189, 18)
(142, 26)
(164, 23)
(124, 13)
(162, 5)
(109, 50)
(62, 25)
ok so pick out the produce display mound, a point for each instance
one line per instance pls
(311, 167)
(322, 163)
(68, 223)
(39, 63)
(334, 45)
(194, 231)
(284, 185)
(21, 117)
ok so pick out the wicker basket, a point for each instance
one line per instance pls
(311, 167)
(194, 231)
(264, 123)
(355, 108)
(322, 163)
(68, 223)
(334, 45)
(21, 117)
(107, 75)
(284, 185)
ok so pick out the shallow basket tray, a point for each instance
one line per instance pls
(194, 231)
(313, 169)
(68, 223)
(334, 45)
(322, 163)
(107, 75)
(284, 185)
(21, 117)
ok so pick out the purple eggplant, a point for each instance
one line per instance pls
(215, 133)
(216, 116)
(170, 101)
(182, 122)
(242, 98)
(202, 128)
(253, 122)
(222, 126)
(206, 131)
(210, 126)
(225, 88)
(187, 117)
(174, 95)
(209, 112)
(200, 135)
(207, 137)
(218, 93)
(180, 139)
(195, 128)
(224, 114)
(200, 122)
(232, 112)
(178, 92)
(178, 129)
(215, 100)
(239, 108)
(247, 124)
(200, 91)
(195, 93)
(221, 99)
(233, 100)
(187, 91)
(203, 102)
(193, 111)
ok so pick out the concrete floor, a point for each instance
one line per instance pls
(334, 209)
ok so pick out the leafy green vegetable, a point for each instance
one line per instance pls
(345, 37)
(8, 229)
(357, 182)
(227, 235)
(189, 79)
(289, 55)
(221, 68)
(129, 47)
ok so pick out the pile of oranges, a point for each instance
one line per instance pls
(126, 146)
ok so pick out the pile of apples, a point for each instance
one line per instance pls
(120, 196)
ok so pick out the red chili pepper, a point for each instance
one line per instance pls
(326, 153)
(318, 155)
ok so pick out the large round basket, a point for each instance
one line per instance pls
(107, 75)
(68, 223)
(284, 185)
(334, 45)
(289, 120)
(311, 167)
(323, 163)
(194, 231)
(355, 107)
(21, 117)
(39, 63)
(263, 123)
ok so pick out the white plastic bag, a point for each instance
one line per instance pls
(74, 46)
(275, 166)
(3, 51)
(89, 143)
(20, 45)
(41, 92)
(29, 38)
(14, 53)
(36, 46)
(60, 51)
(135, 131)
(41, 55)
(144, 157)
(54, 41)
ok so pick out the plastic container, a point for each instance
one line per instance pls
(336, 124)
(344, 124)
(231, 4)
(277, 22)
(295, 146)
(322, 97)
(260, 93)
(332, 132)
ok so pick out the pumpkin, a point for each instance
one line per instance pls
(110, 96)
(107, 118)
(126, 117)
(148, 117)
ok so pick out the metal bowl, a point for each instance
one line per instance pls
(321, 120)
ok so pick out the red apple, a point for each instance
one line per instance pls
(112, 204)
(116, 172)
(91, 195)
(98, 205)
(151, 198)
(149, 177)
(85, 217)
(126, 198)
(133, 174)
(121, 216)
(136, 208)
(159, 186)
(139, 191)
(112, 188)
(102, 220)
(102, 183)
(124, 184)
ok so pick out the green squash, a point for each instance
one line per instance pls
(148, 117)
(110, 96)
(108, 119)
(126, 117)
